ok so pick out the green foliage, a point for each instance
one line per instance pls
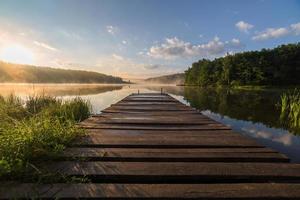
(290, 109)
(278, 66)
(35, 104)
(39, 127)
(76, 110)
(177, 79)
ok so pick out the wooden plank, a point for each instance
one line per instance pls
(178, 112)
(129, 103)
(198, 135)
(102, 138)
(173, 155)
(164, 133)
(168, 114)
(154, 126)
(154, 115)
(262, 191)
(149, 120)
(150, 100)
(183, 172)
(150, 108)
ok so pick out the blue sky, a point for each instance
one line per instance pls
(141, 38)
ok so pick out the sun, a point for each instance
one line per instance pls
(16, 53)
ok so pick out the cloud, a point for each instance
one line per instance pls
(175, 48)
(71, 35)
(44, 45)
(243, 26)
(152, 66)
(295, 28)
(112, 29)
(117, 57)
(124, 42)
(273, 33)
(140, 53)
(269, 134)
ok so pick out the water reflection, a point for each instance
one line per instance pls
(252, 113)
(56, 89)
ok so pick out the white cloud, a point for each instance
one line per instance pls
(117, 57)
(71, 34)
(140, 53)
(124, 42)
(272, 33)
(174, 48)
(112, 29)
(295, 28)
(244, 26)
(234, 44)
(44, 45)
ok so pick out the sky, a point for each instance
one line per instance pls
(141, 38)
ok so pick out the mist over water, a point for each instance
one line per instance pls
(255, 114)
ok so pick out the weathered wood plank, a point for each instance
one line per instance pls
(154, 127)
(178, 112)
(262, 191)
(149, 120)
(166, 172)
(111, 137)
(129, 103)
(150, 100)
(151, 108)
(173, 155)
(164, 133)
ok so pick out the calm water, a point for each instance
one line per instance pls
(251, 113)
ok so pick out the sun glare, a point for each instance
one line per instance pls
(16, 54)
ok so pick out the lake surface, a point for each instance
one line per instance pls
(255, 114)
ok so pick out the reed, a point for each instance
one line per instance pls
(290, 110)
(35, 128)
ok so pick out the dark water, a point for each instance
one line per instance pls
(255, 114)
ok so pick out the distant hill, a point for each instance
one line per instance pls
(177, 79)
(16, 73)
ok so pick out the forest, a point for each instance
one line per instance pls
(16, 73)
(268, 67)
(177, 79)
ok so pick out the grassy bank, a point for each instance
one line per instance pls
(290, 110)
(38, 127)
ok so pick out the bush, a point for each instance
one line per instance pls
(40, 127)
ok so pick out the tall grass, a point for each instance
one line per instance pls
(290, 110)
(40, 126)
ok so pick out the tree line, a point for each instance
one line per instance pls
(278, 66)
(17, 73)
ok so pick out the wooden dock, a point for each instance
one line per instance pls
(151, 146)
